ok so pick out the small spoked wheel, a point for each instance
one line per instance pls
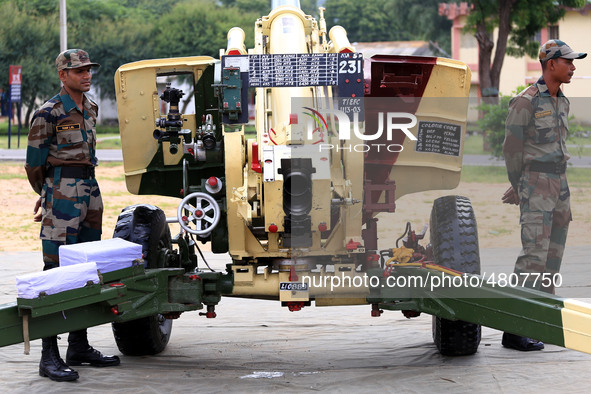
(198, 213)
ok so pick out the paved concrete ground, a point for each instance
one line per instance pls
(257, 346)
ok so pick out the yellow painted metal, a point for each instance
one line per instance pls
(339, 39)
(353, 218)
(234, 148)
(287, 28)
(273, 206)
(576, 325)
(445, 99)
(335, 288)
(136, 91)
(248, 283)
(236, 41)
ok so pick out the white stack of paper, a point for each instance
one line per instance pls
(56, 280)
(109, 255)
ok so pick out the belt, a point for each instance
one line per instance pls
(550, 168)
(85, 172)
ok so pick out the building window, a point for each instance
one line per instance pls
(538, 37)
(553, 32)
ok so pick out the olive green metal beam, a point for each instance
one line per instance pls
(124, 295)
(133, 293)
(518, 310)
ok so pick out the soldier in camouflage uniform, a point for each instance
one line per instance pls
(536, 155)
(60, 167)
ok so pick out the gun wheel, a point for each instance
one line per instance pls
(145, 225)
(454, 238)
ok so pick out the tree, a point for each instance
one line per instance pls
(200, 28)
(364, 21)
(263, 7)
(114, 43)
(114, 32)
(390, 20)
(32, 42)
(493, 121)
(517, 22)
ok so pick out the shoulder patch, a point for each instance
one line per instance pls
(529, 92)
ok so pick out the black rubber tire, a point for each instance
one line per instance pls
(454, 238)
(143, 337)
(145, 225)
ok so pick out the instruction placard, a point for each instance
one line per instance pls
(438, 137)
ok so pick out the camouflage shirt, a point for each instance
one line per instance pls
(535, 129)
(61, 135)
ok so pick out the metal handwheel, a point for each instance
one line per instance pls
(198, 210)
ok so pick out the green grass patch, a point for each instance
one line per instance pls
(580, 140)
(579, 176)
(104, 140)
(490, 174)
(484, 174)
(473, 145)
(13, 176)
(114, 179)
(499, 231)
(579, 151)
(111, 164)
(108, 141)
(14, 140)
(103, 129)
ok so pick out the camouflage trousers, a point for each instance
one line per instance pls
(545, 216)
(72, 212)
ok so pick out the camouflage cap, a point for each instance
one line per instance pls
(73, 58)
(554, 49)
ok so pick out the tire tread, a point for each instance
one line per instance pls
(145, 225)
(454, 237)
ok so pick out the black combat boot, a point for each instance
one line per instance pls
(80, 352)
(52, 365)
(518, 342)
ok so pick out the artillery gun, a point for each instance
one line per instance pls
(337, 139)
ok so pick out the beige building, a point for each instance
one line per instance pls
(574, 29)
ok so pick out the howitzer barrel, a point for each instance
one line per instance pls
(287, 36)
(340, 41)
(236, 42)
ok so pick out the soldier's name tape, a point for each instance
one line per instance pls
(68, 127)
(543, 114)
